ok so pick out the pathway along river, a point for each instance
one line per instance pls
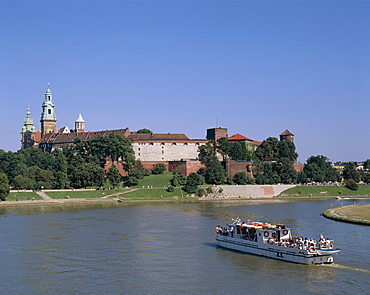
(169, 248)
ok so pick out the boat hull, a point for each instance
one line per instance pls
(280, 253)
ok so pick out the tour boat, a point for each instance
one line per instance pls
(274, 241)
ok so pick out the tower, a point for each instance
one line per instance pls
(80, 124)
(216, 133)
(287, 136)
(48, 116)
(28, 131)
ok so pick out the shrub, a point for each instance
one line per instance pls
(170, 189)
(352, 185)
(159, 168)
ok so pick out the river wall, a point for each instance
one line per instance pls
(253, 191)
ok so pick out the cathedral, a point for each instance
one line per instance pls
(33, 137)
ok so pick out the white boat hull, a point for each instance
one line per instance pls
(271, 251)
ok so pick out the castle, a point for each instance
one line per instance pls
(176, 151)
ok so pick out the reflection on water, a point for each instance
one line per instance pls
(167, 248)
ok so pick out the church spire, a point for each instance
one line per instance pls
(48, 116)
(28, 131)
(80, 124)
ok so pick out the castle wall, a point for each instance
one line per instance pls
(164, 151)
(233, 167)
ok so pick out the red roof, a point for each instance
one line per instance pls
(238, 137)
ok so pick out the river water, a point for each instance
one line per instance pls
(169, 248)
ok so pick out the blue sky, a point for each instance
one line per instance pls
(254, 67)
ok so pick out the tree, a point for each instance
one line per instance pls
(178, 179)
(286, 151)
(135, 173)
(61, 169)
(350, 172)
(159, 168)
(114, 176)
(352, 185)
(192, 182)
(240, 178)
(268, 150)
(87, 174)
(23, 182)
(367, 164)
(235, 150)
(4, 186)
(318, 169)
(144, 131)
(214, 172)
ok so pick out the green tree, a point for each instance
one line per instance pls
(135, 173)
(318, 169)
(114, 176)
(4, 186)
(61, 169)
(214, 172)
(178, 179)
(192, 183)
(23, 182)
(144, 131)
(87, 174)
(159, 168)
(367, 178)
(352, 185)
(268, 150)
(286, 151)
(350, 172)
(240, 178)
(367, 164)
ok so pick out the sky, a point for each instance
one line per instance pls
(254, 67)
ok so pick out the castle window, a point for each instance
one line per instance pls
(28, 139)
(48, 97)
(174, 143)
(138, 154)
(49, 112)
(162, 152)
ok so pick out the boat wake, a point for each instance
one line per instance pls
(348, 267)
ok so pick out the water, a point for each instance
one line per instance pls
(169, 248)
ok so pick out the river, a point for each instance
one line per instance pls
(169, 248)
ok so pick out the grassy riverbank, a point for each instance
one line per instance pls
(307, 191)
(359, 214)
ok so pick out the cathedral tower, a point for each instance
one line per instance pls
(80, 124)
(28, 131)
(48, 117)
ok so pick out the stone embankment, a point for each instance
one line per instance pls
(253, 191)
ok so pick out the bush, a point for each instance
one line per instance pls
(352, 185)
(170, 189)
(159, 168)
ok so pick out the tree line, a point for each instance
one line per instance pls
(272, 164)
(81, 165)
(77, 165)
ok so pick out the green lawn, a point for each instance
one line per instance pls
(22, 196)
(156, 181)
(321, 190)
(153, 194)
(83, 194)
